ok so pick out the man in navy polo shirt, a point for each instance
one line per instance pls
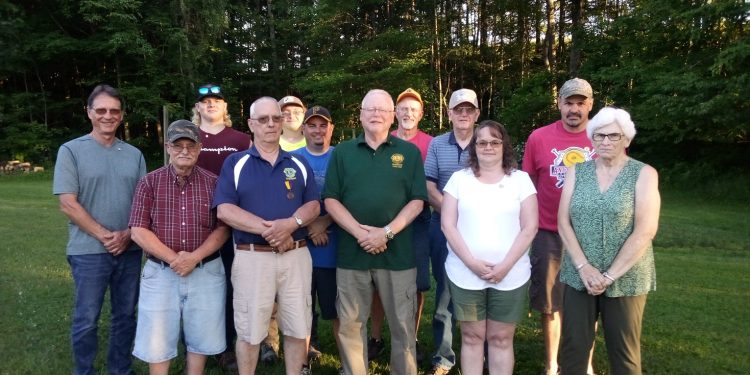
(268, 196)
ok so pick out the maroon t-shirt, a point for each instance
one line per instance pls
(216, 147)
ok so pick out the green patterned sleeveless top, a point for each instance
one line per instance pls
(602, 222)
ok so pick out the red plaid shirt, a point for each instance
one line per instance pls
(181, 217)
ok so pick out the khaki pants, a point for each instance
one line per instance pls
(398, 292)
(621, 322)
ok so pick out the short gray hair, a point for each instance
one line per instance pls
(251, 112)
(612, 115)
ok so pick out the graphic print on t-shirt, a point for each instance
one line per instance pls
(566, 158)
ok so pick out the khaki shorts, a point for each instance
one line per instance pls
(546, 290)
(259, 279)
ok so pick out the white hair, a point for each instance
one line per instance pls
(611, 115)
(261, 99)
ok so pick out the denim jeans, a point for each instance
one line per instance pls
(442, 320)
(92, 274)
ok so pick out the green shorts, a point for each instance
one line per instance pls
(507, 306)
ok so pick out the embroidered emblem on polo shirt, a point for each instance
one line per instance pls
(397, 160)
(290, 173)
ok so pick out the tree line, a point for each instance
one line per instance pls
(679, 66)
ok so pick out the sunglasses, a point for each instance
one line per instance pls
(209, 90)
(103, 111)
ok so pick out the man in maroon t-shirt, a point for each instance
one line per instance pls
(219, 140)
(550, 150)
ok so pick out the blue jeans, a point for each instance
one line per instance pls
(442, 320)
(92, 274)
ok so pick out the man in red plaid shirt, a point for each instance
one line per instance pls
(183, 279)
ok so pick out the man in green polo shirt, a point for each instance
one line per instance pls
(375, 187)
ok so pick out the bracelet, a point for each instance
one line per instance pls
(607, 275)
(580, 266)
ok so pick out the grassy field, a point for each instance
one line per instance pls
(697, 322)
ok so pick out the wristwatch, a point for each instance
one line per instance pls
(388, 233)
(298, 221)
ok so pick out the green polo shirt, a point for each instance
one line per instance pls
(374, 185)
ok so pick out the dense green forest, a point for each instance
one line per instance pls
(679, 66)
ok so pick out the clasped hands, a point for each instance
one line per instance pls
(278, 233)
(116, 242)
(593, 280)
(372, 239)
(490, 272)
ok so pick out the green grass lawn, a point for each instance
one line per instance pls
(697, 322)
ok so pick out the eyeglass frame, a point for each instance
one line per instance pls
(463, 111)
(190, 147)
(484, 144)
(375, 110)
(264, 120)
(601, 136)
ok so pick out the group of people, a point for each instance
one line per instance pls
(244, 237)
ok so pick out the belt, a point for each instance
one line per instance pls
(205, 260)
(267, 248)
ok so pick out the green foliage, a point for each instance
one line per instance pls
(678, 67)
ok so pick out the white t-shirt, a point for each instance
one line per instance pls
(489, 219)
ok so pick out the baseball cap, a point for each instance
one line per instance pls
(209, 90)
(183, 129)
(317, 111)
(463, 96)
(576, 86)
(410, 93)
(290, 100)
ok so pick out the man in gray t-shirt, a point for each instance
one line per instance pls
(95, 177)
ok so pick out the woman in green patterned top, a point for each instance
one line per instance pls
(609, 214)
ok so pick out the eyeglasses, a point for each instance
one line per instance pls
(407, 110)
(209, 89)
(464, 110)
(484, 144)
(188, 146)
(264, 120)
(614, 137)
(297, 112)
(103, 111)
(377, 110)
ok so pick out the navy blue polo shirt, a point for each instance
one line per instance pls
(268, 191)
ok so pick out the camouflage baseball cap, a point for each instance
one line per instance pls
(183, 129)
(576, 86)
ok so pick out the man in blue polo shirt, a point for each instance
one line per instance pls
(268, 196)
(447, 154)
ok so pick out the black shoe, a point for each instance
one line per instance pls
(313, 354)
(268, 356)
(375, 348)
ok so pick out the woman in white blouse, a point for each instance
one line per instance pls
(489, 217)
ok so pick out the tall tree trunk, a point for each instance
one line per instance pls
(272, 37)
(560, 36)
(576, 15)
(549, 36)
(437, 62)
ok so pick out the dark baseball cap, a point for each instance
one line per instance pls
(210, 90)
(317, 111)
(183, 129)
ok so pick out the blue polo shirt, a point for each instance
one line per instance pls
(268, 191)
(444, 157)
